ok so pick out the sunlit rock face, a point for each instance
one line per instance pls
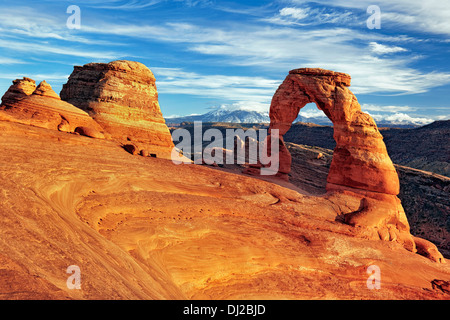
(360, 158)
(41, 107)
(122, 97)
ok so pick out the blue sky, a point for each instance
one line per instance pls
(208, 54)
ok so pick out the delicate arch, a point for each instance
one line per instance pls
(360, 158)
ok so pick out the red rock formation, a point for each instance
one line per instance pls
(122, 97)
(42, 107)
(20, 88)
(145, 228)
(360, 158)
(361, 166)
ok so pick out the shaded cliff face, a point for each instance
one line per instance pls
(122, 97)
(426, 199)
(426, 148)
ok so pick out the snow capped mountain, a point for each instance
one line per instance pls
(223, 115)
(247, 116)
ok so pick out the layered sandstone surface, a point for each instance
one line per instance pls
(40, 106)
(122, 97)
(145, 228)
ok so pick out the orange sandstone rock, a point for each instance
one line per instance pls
(144, 228)
(361, 166)
(41, 107)
(45, 90)
(360, 158)
(122, 97)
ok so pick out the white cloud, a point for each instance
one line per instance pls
(22, 46)
(425, 16)
(312, 114)
(131, 5)
(6, 60)
(296, 16)
(28, 23)
(374, 107)
(275, 48)
(258, 90)
(379, 48)
(179, 115)
(296, 13)
(36, 76)
(401, 118)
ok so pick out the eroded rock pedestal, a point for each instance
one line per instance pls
(361, 167)
(122, 97)
(41, 107)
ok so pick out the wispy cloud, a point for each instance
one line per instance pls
(401, 118)
(284, 48)
(305, 15)
(138, 4)
(5, 60)
(379, 48)
(28, 23)
(35, 76)
(425, 16)
(231, 88)
(124, 5)
(390, 108)
(21, 46)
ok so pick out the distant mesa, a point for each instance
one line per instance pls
(121, 96)
(41, 107)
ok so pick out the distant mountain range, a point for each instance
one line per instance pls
(245, 116)
(223, 115)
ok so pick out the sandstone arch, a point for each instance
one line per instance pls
(360, 158)
(361, 168)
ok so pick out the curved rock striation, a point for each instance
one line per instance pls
(141, 229)
(41, 107)
(122, 97)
